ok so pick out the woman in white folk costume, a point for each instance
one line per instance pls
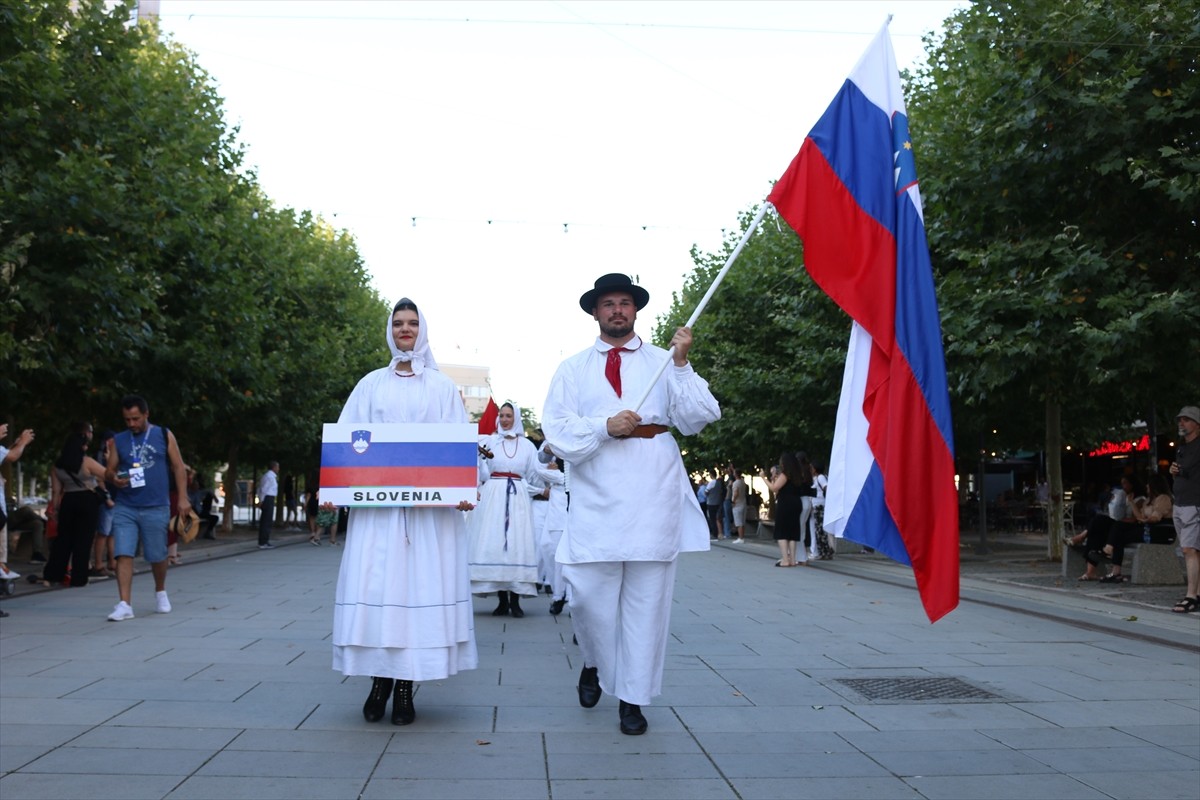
(403, 609)
(503, 548)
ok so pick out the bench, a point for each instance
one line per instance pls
(1145, 564)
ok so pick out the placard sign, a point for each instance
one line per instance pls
(399, 464)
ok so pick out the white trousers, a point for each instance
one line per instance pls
(554, 576)
(621, 611)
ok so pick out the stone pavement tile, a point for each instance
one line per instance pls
(15, 756)
(1136, 784)
(1063, 738)
(1110, 712)
(990, 761)
(40, 686)
(1183, 739)
(771, 718)
(1103, 759)
(340, 717)
(51, 711)
(27, 786)
(877, 788)
(944, 662)
(621, 788)
(467, 743)
(571, 718)
(36, 733)
(454, 789)
(945, 716)
(803, 661)
(1007, 787)
(199, 739)
(798, 765)
(86, 666)
(448, 694)
(250, 656)
(764, 687)
(163, 689)
(496, 764)
(631, 766)
(117, 760)
(791, 743)
(936, 741)
(22, 666)
(702, 696)
(205, 787)
(290, 673)
(163, 713)
(673, 678)
(365, 742)
(287, 764)
(612, 741)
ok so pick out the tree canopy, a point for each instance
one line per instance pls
(1057, 148)
(139, 255)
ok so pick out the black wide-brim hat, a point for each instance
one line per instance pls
(613, 282)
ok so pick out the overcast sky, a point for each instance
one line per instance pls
(538, 145)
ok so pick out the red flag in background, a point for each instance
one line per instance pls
(487, 423)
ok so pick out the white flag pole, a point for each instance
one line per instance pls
(707, 296)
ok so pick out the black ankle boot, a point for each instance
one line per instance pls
(403, 712)
(501, 609)
(377, 700)
(514, 605)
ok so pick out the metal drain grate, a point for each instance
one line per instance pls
(909, 689)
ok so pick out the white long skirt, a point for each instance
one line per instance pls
(500, 560)
(403, 602)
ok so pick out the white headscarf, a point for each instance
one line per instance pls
(518, 428)
(421, 357)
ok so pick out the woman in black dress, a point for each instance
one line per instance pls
(791, 482)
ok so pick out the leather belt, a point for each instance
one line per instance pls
(646, 431)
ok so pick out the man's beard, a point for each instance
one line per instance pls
(617, 330)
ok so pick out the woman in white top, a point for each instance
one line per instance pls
(403, 610)
(503, 547)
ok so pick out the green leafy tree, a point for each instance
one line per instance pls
(1058, 152)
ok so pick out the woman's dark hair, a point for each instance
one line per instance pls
(796, 467)
(509, 406)
(70, 460)
(404, 304)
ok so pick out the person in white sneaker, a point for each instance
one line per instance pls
(137, 464)
(8, 455)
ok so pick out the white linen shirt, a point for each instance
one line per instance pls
(631, 499)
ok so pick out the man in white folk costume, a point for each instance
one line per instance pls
(632, 510)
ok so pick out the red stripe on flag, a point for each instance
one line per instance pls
(449, 477)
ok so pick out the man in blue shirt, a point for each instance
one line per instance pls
(137, 463)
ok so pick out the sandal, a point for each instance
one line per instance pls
(315, 542)
(1113, 579)
(1187, 605)
(1085, 578)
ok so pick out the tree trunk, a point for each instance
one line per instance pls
(1054, 509)
(229, 481)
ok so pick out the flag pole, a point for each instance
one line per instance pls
(707, 296)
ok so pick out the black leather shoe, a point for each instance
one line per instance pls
(502, 609)
(557, 606)
(589, 687)
(632, 721)
(514, 605)
(403, 712)
(377, 700)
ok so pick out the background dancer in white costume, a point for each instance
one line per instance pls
(403, 610)
(556, 519)
(503, 551)
(632, 510)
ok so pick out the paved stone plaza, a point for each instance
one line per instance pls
(1032, 693)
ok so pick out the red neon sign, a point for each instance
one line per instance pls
(1119, 448)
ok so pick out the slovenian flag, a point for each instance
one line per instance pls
(851, 194)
